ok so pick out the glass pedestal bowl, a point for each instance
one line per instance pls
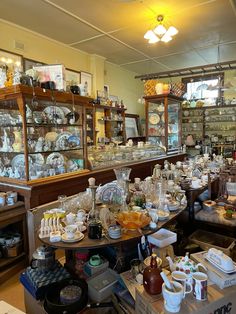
(132, 220)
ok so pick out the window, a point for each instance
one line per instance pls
(205, 88)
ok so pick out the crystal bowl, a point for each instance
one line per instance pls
(132, 220)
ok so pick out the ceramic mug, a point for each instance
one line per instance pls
(182, 278)
(200, 286)
(173, 299)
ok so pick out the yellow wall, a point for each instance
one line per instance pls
(41, 48)
(122, 84)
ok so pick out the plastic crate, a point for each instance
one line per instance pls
(162, 238)
(207, 240)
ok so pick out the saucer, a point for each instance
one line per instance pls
(78, 237)
(162, 215)
(196, 187)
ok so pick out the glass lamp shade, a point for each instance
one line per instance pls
(151, 36)
(172, 31)
(166, 38)
(160, 30)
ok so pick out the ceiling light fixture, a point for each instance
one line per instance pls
(160, 33)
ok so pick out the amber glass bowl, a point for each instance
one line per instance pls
(132, 220)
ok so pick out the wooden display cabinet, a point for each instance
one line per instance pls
(163, 121)
(42, 134)
(13, 218)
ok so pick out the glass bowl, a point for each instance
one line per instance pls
(132, 220)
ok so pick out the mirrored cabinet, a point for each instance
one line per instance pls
(163, 121)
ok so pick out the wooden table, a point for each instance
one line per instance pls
(192, 195)
(127, 236)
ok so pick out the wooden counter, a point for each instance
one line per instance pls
(47, 190)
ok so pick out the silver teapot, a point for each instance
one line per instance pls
(43, 258)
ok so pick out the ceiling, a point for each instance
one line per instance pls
(114, 29)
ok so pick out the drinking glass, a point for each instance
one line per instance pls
(62, 200)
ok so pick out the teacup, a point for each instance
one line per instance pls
(182, 278)
(70, 231)
(196, 183)
(81, 215)
(173, 299)
(70, 218)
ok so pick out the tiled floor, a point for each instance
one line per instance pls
(12, 292)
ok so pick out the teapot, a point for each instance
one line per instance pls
(185, 264)
(43, 258)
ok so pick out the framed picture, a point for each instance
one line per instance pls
(86, 79)
(132, 125)
(10, 59)
(106, 91)
(72, 78)
(29, 64)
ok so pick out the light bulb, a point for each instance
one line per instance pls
(149, 34)
(3, 59)
(172, 31)
(166, 38)
(17, 63)
(154, 40)
(9, 61)
(160, 30)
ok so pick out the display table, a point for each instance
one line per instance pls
(220, 301)
(127, 235)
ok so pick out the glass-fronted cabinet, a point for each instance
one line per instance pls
(163, 121)
(41, 133)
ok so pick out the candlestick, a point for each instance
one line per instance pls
(91, 181)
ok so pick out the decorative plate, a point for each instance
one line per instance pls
(78, 237)
(51, 111)
(186, 113)
(19, 161)
(51, 136)
(62, 140)
(55, 159)
(154, 118)
(74, 141)
(38, 159)
(65, 110)
(110, 193)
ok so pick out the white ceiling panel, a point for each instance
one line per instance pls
(115, 29)
(183, 60)
(110, 49)
(40, 17)
(145, 67)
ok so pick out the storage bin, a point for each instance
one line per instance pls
(100, 286)
(207, 240)
(162, 238)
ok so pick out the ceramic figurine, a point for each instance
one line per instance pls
(6, 147)
(39, 145)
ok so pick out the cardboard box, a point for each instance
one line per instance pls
(91, 270)
(219, 302)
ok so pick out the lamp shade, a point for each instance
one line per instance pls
(160, 30)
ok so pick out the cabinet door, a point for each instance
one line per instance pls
(156, 122)
(54, 138)
(174, 135)
(12, 158)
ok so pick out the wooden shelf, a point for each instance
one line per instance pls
(4, 261)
